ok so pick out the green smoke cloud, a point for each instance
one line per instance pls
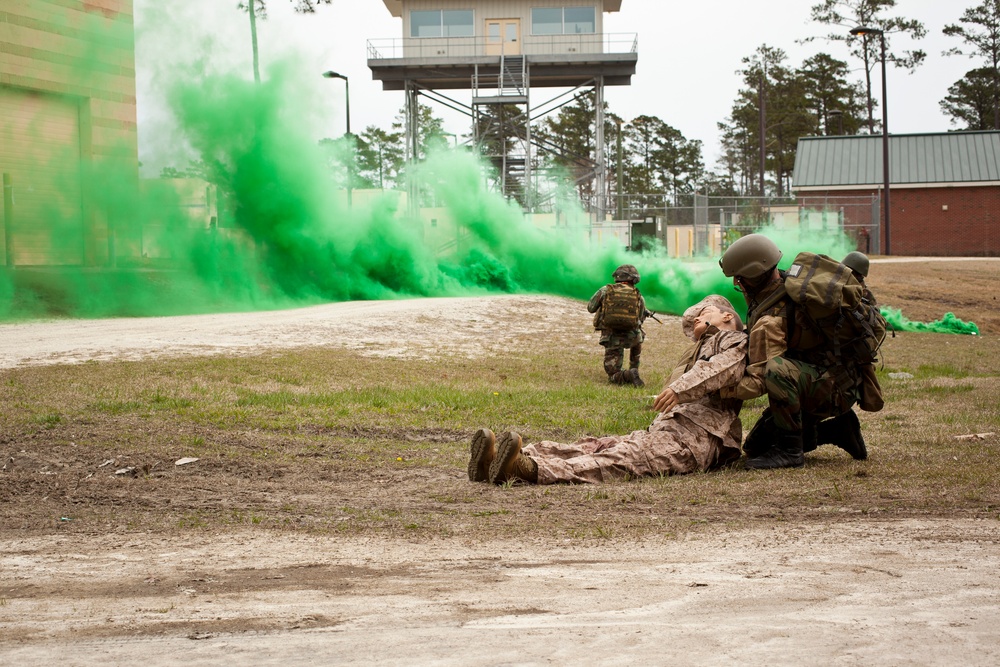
(949, 324)
(289, 238)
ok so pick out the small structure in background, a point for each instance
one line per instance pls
(945, 188)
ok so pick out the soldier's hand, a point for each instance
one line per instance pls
(666, 400)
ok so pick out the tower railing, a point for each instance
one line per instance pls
(532, 45)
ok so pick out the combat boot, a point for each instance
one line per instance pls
(810, 435)
(510, 463)
(621, 377)
(785, 452)
(634, 378)
(482, 451)
(761, 435)
(844, 431)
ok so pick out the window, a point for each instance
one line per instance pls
(457, 23)
(442, 23)
(563, 20)
(545, 21)
(579, 20)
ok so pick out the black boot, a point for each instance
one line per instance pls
(810, 439)
(844, 431)
(634, 378)
(761, 435)
(785, 452)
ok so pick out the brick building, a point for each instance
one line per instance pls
(68, 130)
(945, 187)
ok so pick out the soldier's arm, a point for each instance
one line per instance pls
(595, 301)
(767, 341)
(723, 369)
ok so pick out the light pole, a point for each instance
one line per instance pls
(350, 138)
(864, 32)
(618, 185)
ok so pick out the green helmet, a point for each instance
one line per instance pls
(857, 262)
(750, 256)
(626, 273)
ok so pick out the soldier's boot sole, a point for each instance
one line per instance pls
(482, 451)
(774, 460)
(508, 449)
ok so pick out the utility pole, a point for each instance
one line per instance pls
(620, 215)
(763, 128)
(253, 39)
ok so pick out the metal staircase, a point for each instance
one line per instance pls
(500, 103)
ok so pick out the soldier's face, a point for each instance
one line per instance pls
(709, 315)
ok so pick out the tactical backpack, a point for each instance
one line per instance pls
(843, 321)
(620, 307)
(837, 305)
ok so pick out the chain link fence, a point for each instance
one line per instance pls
(699, 225)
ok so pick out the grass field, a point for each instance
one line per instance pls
(327, 440)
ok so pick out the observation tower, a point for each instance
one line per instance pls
(504, 52)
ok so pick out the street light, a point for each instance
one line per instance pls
(350, 140)
(864, 32)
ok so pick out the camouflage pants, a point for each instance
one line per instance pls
(639, 454)
(615, 356)
(797, 390)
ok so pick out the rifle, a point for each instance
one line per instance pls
(651, 315)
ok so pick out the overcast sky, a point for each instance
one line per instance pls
(688, 56)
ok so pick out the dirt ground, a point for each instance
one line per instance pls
(919, 591)
(859, 593)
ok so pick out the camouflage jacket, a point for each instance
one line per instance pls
(610, 338)
(716, 361)
(769, 338)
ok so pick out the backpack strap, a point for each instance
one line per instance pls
(773, 298)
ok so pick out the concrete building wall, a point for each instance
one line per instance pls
(67, 84)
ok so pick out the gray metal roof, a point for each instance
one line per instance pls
(947, 157)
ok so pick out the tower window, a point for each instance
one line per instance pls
(563, 20)
(442, 23)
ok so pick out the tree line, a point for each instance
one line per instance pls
(777, 104)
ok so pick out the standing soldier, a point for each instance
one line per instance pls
(619, 311)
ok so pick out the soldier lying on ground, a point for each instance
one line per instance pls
(696, 429)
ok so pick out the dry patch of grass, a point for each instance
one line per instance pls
(328, 440)
(925, 291)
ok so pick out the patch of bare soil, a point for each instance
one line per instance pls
(914, 592)
(926, 290)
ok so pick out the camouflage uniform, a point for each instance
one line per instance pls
(701, 433)
(801, 390)
(616, 342)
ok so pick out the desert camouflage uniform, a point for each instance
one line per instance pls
(798, 389)
(701, 433)
(616, 342)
